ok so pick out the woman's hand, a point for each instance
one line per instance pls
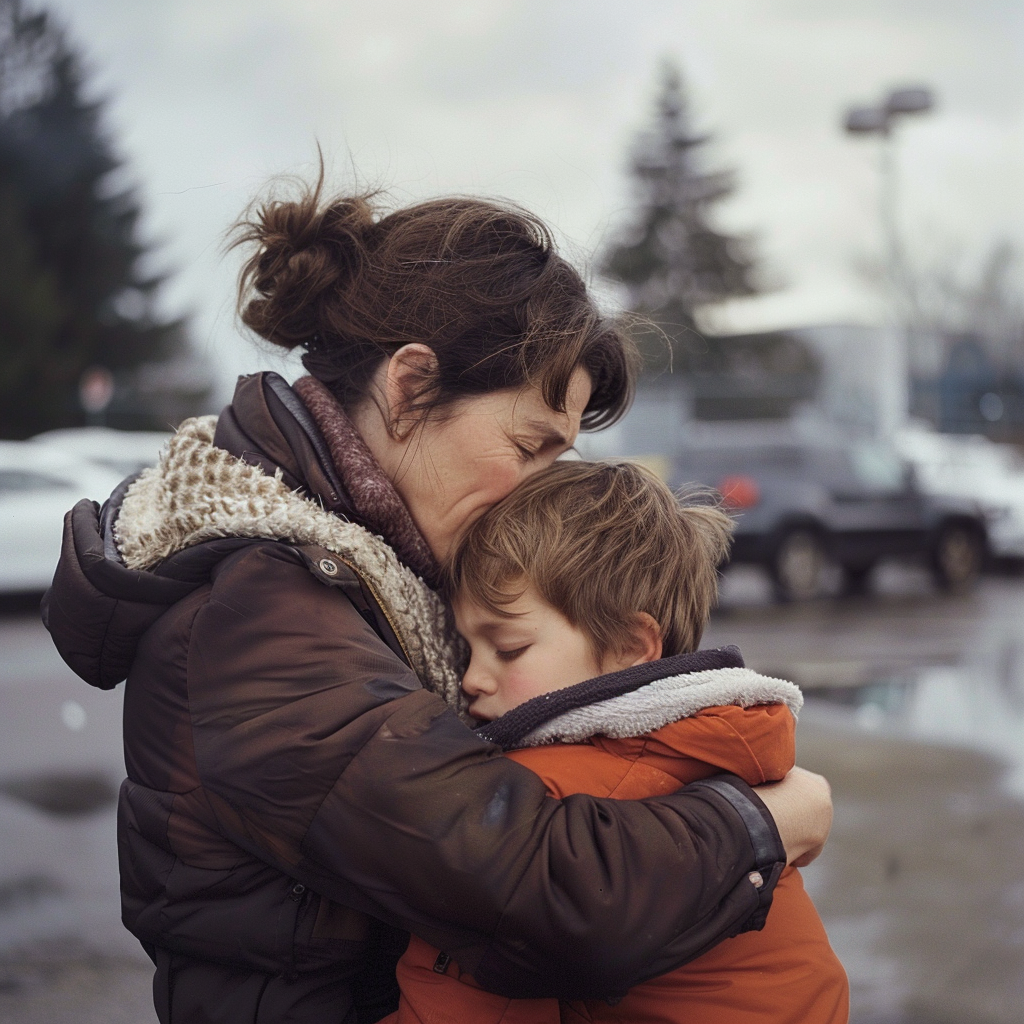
(801, 805)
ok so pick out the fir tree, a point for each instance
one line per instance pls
(671, 259)
(73, 292)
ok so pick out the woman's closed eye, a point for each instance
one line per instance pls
(511, 655)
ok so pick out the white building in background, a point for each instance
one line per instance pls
(865, 375)
(864, 386)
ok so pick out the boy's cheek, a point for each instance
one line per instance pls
(522, 686)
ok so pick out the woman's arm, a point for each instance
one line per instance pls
(320, 753)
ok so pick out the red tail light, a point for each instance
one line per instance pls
(739, 492)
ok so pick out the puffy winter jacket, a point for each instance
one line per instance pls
(688, 724)
(298, 789)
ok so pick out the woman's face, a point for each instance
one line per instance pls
(456, 467)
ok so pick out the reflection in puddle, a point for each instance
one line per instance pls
(64, 794)
(981, 708)
(28, 889)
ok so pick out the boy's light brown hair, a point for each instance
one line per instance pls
(600, 542)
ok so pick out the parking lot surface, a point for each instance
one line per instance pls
(915, 711)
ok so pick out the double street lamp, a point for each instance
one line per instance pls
(917, 100)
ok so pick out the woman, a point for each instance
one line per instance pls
(301, 790)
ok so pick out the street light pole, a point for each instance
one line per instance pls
(880, 121)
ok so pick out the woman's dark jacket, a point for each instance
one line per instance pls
(291, 785)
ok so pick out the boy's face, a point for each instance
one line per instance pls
(513, 659)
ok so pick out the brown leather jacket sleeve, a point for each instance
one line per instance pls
(319, 751)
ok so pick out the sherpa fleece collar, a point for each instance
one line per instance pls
(639, 700)
(199, 492)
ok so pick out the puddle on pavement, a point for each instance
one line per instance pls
(63, 794)
(980, 708)
(29, 889)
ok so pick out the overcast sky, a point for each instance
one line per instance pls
(537, 100)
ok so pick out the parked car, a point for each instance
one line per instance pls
(972, 467)
(38, 484)
(805, 496)
(124, 451)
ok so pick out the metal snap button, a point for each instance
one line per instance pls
(328, 567)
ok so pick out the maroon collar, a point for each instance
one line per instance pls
(375, 502)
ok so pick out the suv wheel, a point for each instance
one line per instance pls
(798, 566)
(957, 557)
(857, 579)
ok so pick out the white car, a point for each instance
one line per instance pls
(38, 484)
(972, 466)
(124, 451)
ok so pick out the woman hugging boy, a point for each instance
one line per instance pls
(583, 597)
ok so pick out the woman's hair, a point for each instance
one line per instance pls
(477, 281)
(600, 542)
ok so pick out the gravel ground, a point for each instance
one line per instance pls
(920, 887)
(63, 983)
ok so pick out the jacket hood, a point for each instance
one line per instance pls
(641, 700)
(179, 518)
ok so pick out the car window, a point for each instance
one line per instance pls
(15, 481)
(778, 458)
(877, 466)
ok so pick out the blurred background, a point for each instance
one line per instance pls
(810, 215)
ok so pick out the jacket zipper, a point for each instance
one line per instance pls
(296, 894)
(382, 605)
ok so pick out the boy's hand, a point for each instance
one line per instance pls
(801, 805)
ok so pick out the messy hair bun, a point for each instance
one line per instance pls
(478, 281)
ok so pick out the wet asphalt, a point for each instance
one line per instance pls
(915, 711)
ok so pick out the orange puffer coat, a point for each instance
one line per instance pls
(786, 972)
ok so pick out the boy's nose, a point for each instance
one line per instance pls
(476, 682)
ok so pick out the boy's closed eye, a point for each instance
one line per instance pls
(511, 655)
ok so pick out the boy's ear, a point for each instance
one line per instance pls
(647, 639)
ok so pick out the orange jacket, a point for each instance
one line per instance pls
(785, 973)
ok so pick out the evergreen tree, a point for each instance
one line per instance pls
(73, 293)
(671, 259)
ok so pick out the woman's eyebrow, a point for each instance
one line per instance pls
(547, 433)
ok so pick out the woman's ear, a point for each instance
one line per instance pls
(407, 372)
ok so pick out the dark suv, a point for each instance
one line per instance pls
(806, 495)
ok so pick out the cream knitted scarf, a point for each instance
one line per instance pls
(199, 492)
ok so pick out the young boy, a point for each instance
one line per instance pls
(582, 596)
